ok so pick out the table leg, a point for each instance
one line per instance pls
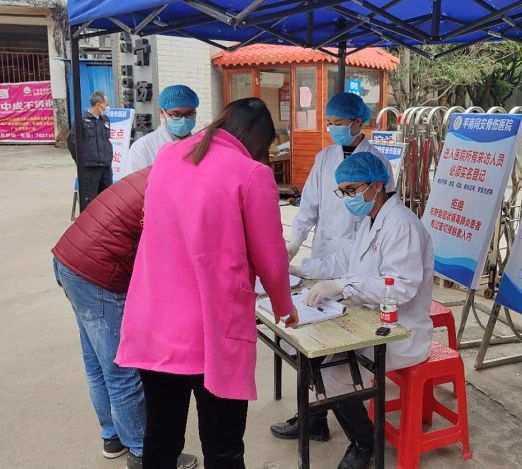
(278, 365)
(380, 378)
(303, 380)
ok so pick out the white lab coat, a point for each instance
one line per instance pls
(397, 246)
(143, 151)
(320, 207)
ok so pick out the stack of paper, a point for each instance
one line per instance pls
(294, 282)
(325, 310)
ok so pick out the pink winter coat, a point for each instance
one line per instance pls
(208, 230)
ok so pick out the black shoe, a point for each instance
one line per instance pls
(113, 448)
(186, 461)
(134, 462)
(356, 457)
(318, 429)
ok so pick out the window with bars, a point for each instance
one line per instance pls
(22, 66)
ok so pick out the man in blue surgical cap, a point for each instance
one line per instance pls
(178, 104)
(334, 227)
(346, 113)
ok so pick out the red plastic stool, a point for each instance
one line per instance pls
(409, 439)
(442, 316)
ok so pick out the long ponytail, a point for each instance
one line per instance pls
(248, 120)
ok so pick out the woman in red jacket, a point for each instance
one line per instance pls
(93, 262)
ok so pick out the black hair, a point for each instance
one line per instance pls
(249, 120)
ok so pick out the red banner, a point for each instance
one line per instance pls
(26, 112)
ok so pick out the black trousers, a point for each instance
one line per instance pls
(97, 179)
(353, 418)
(222, 422)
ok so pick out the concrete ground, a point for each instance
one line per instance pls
(45, 411)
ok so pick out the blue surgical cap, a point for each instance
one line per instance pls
(362, 166)
(178, 96)
(349, 106)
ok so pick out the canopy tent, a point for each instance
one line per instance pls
(307, 23)
(310, 23)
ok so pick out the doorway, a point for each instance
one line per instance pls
(273, 86)
(274, 90)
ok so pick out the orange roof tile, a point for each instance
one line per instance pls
(267, 54)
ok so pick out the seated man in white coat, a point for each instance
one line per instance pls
(178, 104)
(346, 113)
(391, 242)
(320, 207)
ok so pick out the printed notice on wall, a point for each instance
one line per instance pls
(468, 188)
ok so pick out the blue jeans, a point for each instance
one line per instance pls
(116, 393)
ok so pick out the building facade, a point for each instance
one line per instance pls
(170, 61)
(32, 47)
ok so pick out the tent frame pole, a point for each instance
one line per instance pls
(435, 24)
(341, 33)
(421, 35)
(82, 28)
(120, 24)
(149, 19)
(207, 41)
(78, 128)
(248, 10)
(309, 28)
(174, 27)
(476, 41)
(211, 10)
(96, 34)
(252, 38)
(289, 12)
(341, 66)
(479, 26)
(367, 19)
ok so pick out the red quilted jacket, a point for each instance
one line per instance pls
(101, 244)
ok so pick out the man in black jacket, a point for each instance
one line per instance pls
(96, 148)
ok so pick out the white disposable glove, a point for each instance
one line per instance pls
(324, 289)
(292, 247)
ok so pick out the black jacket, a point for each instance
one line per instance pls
(97, 148)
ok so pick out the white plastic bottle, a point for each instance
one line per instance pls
(389, 307)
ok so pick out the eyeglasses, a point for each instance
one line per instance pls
(349, 192)
(340, 123)
(175, 115)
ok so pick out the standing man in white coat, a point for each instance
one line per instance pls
(346, 113)
(178, 104)
(391, 242)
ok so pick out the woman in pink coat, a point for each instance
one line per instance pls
(212, 223)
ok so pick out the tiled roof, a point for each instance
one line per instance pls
(266, 54)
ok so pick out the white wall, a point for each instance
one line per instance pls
(187, 61)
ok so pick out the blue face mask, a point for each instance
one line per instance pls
(357, 206)
(342, 134)
(105, 111)
(181, 127)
